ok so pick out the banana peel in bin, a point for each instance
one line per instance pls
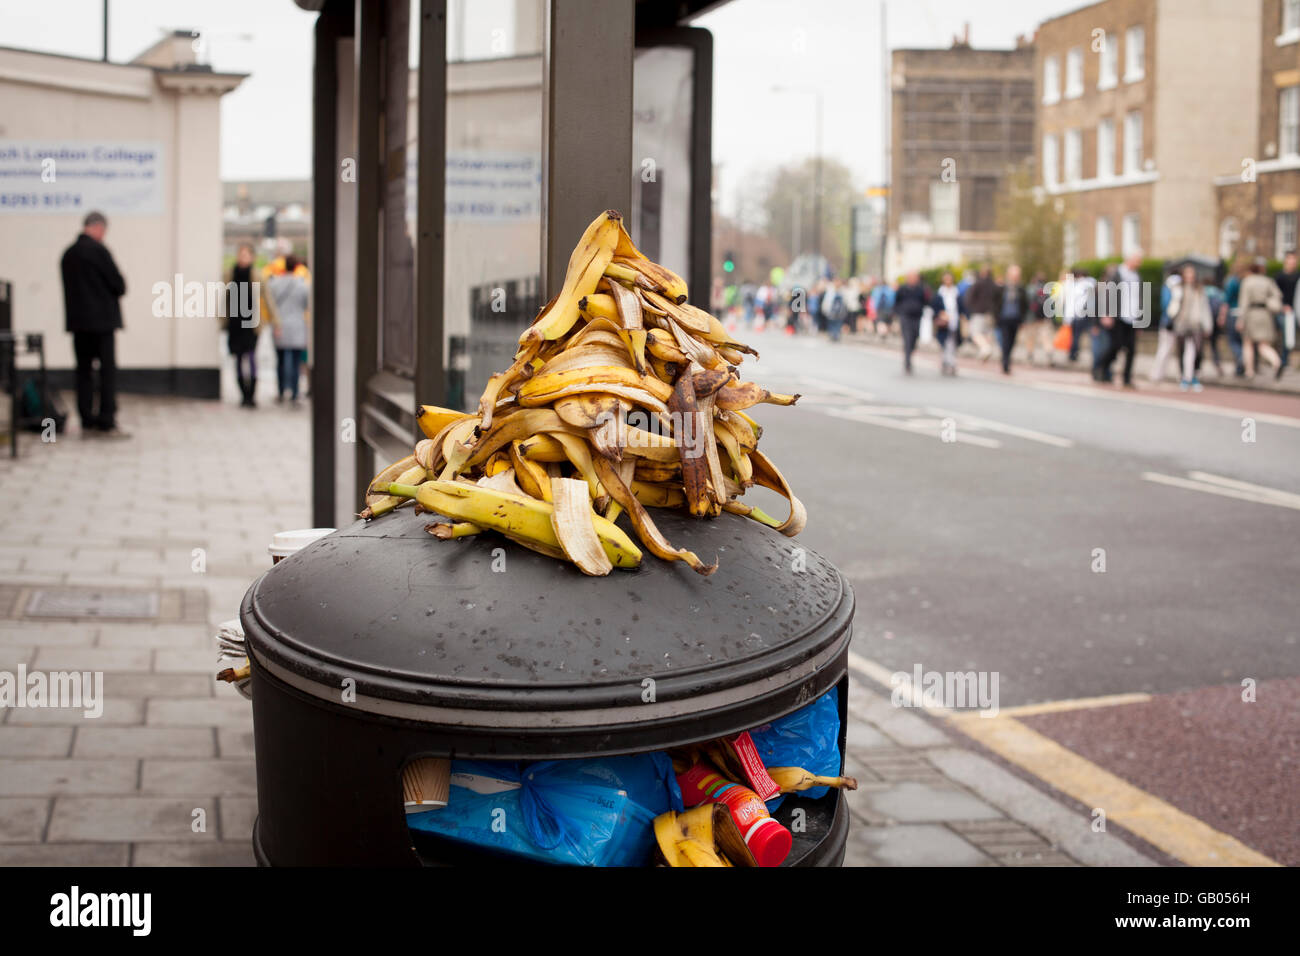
(702, 836)
(623, 397)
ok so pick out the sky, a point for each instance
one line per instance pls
(831, 46)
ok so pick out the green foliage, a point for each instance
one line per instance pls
(1149, 270)
(1034, 223)
(792, 186)
(932, 277)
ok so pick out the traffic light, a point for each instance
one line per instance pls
(729, 262)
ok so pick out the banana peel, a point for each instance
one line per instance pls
(621, 388)
(706, 835)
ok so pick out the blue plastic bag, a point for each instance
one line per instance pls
(808, 738)
(596, 812)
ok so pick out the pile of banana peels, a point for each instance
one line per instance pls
(623, 396)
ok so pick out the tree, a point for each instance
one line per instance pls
(789, 197)
(1034, 223)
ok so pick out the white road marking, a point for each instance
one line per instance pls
(995, 426)
(855, 415)
(1261, 490)
(1214, 489)
(837, 388)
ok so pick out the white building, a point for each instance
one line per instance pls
(139, 142)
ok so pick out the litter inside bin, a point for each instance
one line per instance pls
(632, 810)
(580, 812)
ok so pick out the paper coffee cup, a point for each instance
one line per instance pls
(426, 783)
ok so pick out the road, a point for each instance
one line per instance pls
(974, 517)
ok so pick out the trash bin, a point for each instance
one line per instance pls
(377, 645)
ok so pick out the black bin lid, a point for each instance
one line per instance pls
(540, 658)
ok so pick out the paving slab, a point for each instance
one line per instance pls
(219, 853)
(910, 802)
(920, 844)
(22, 819)
(230, 777)
(32, 777)
(65, 854)
(134, 819)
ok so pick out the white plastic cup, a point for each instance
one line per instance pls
(286, 543)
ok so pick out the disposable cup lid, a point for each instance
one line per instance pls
(286, 543)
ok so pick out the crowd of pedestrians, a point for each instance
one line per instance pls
(1057, 320)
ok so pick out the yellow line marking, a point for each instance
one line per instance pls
(1161, 824)
(1078, 703)
(1190, 485)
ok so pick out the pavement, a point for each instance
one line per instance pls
(970, 554)
(185, 508)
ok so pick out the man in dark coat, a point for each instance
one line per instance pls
(1011, 306)
(91, 287)
(910, 300)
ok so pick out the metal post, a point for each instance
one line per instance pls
(853, 239)
(369, 171)
(325, 173)
(430, 367)
(586, 124)
(105, 56)
(885, 138)
(817, 186)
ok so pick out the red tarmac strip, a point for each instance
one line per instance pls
(1233, 765)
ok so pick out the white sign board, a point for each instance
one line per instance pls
(115, 177)
(494, 186)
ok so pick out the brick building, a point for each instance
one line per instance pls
(1259, 191)
(959, 119)
(1140, 104)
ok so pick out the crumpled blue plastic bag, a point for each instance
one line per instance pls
(808, 738)
(595, 812)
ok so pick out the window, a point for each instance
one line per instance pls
(1288, 121)
(1074, 73)
(1131, 240)
(1073, 155)
(1135, 54)
(1106, 149)
(945, 205)
(1070, 243)
(1108, 66)
(1290, 21)
(1051, 161)
(1101, 236)
(1051, 80)
(1133, 142)
(1283, 234)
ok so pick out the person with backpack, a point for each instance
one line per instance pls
(882, 303)
(835, 308)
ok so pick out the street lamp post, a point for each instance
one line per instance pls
(817, 169)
